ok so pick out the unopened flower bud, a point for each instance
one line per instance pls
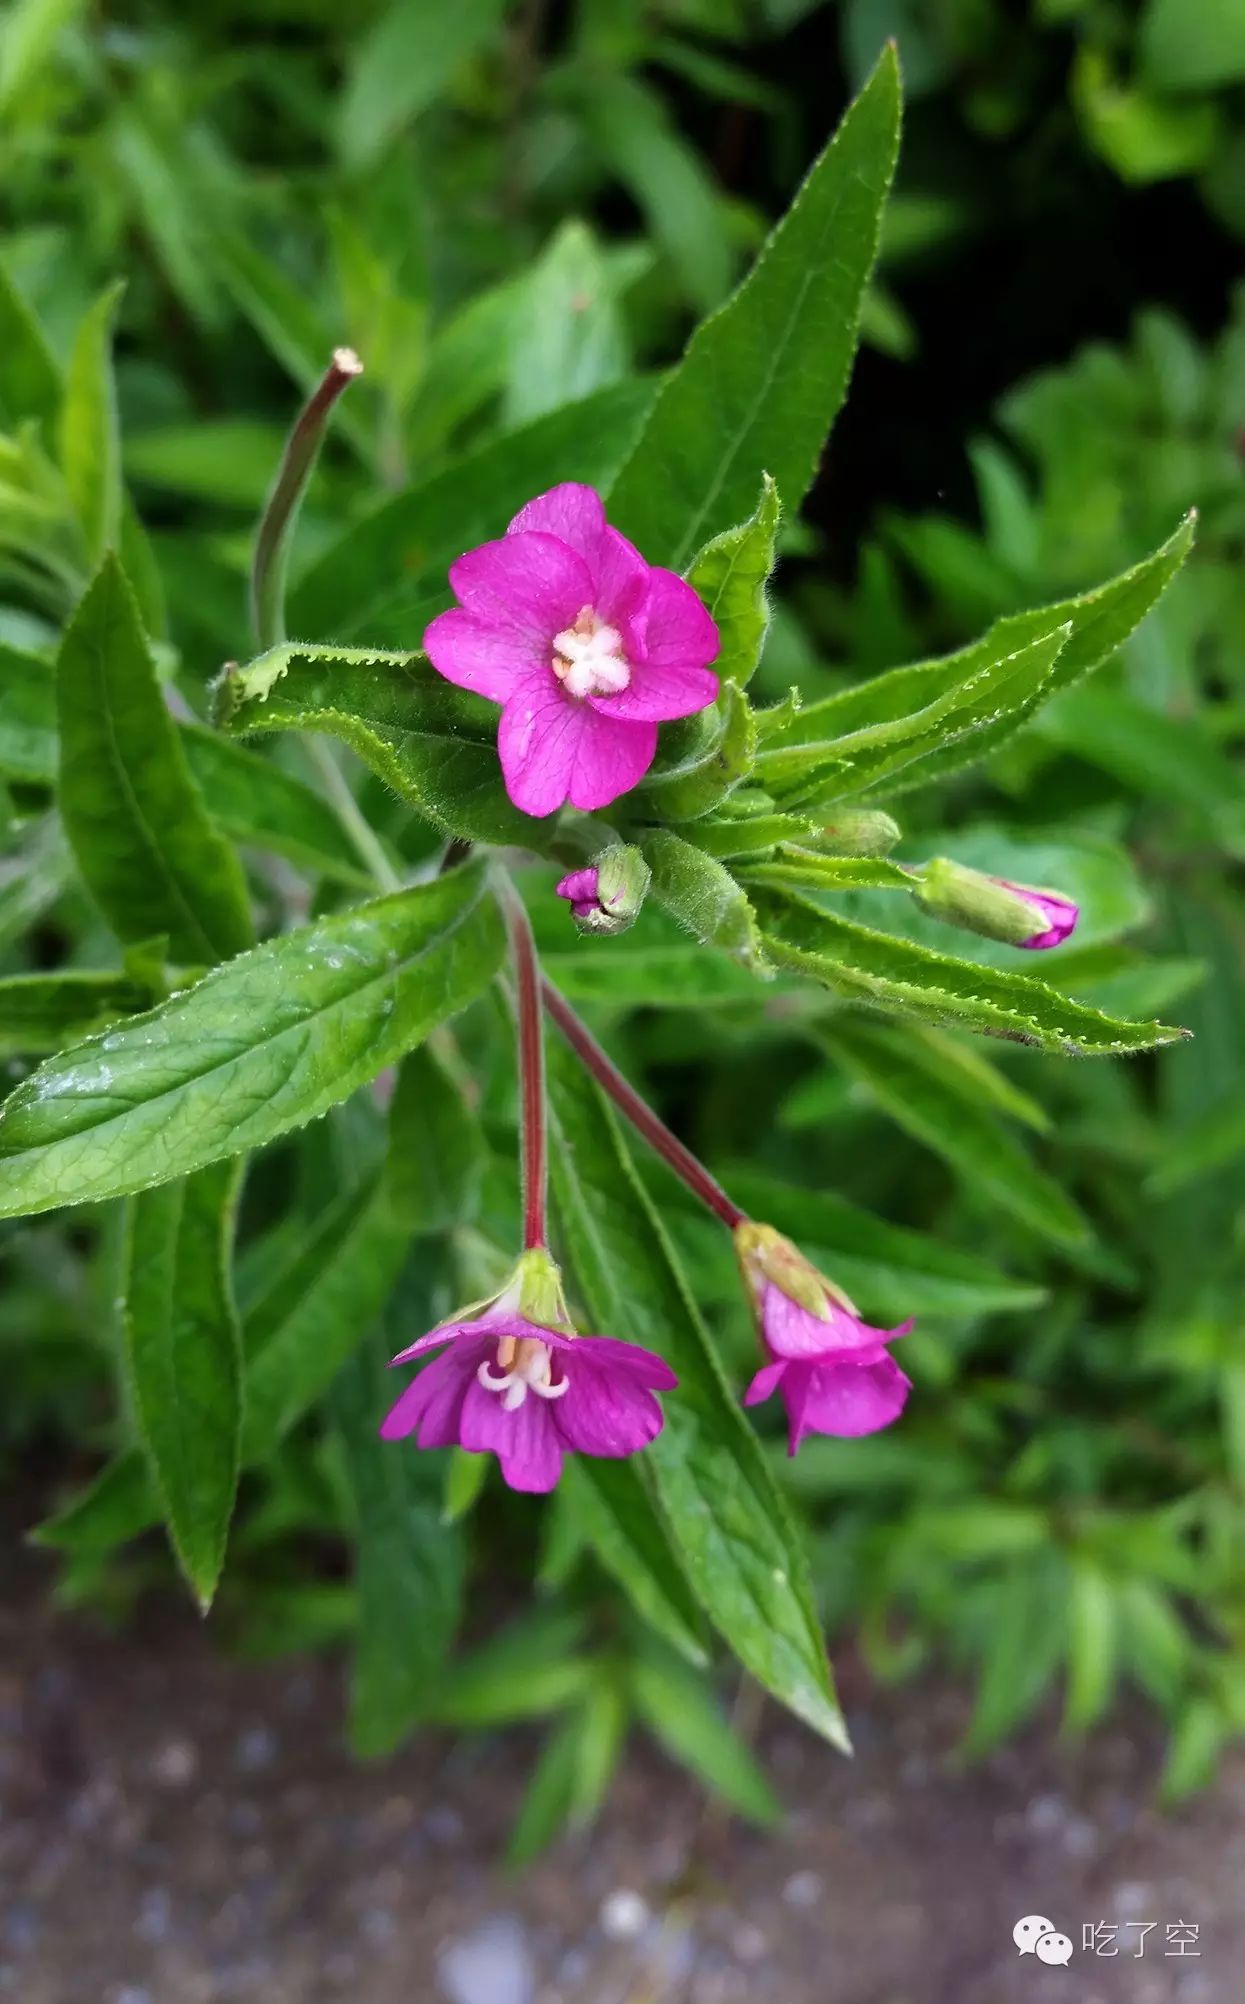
(1018, 914)
(607, 896)
(858, 831)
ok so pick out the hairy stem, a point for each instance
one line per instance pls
(639, 1112)
(272, 541)
(534, 1152)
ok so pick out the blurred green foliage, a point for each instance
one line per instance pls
(508, 210)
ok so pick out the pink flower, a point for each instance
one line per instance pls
(529, 1395)
(833, 1370)
(1057, 915)
(586, 647)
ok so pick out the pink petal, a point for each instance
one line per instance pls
(765, 1383)
(623, 584)
(531, 584)
(525, 1441)
(487, 659)
(792, 1331)
(579, 886)
(852, 1399)
(674, 679)
(432, 1402)
(611, 1353)
(572, 512)
(605, 1411)
(555, 749)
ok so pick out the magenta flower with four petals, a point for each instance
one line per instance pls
(833, 1371)
(530, 1395)
(585, 645)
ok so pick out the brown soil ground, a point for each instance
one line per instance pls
(181, 1829)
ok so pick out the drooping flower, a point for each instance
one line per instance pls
(1019, 914)
(585, 645)
(832, 1369)
(528, 1392)
(607, 896)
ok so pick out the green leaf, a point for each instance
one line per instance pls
(435, 744)
(1092, 1645)
(613, 1501)
(90, 436)
(731, 574)
(1176, 760)
(138, 829)
(626, 122)
(737, 1544)
(314, 1309)
(734, 836)
(263, 1044)
(401, 64)
(679, 1711)
(43, 1012)
(908, 1074)
(385, 577)
(183, 1359)
(1101, 620)
(1213, 1139)
(30, 385)
(889, 1271)
(568, 340)
(763, 379)
(27, 717)
(671, 977)
(908, 980)
(531, 1667)
(254, 802)
(701, 760)
(1192, 45)
(31, 31)
(437, 1147)
(409, 1566)
(118, 1505)
(700, 894)
(574, 1771)
(809, 869)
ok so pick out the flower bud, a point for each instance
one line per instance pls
(858, 831)
(1018, 914)
(607, 896)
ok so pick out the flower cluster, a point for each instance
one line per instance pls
(588, 648)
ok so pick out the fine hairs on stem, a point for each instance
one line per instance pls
(534, 1137)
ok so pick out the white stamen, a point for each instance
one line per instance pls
(512, 1398)
(494, 1382)
(529, 1374)
(588, 659)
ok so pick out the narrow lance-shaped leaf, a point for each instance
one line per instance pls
(30, 386)
(90, 435)
(433, 743)
(409, 1567)
(763, 379)
(740, 1549)
(909, 980)
(134, 818)
(701, 760)
(942, 1109)
(1100, 621)
(183, 1359)
(265, 1043)
(44, 1012)
(731, 574)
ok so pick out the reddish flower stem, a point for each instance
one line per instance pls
(533, 1144)
(639, 1112)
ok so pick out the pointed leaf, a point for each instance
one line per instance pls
(183, 1359)
(134, 818)
(90, 436)
(740, 1550)
(762, 380)
(265, 1043)
(909, 980)
(731, 574)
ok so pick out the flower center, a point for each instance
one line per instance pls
(588, 659)
(522, 1367)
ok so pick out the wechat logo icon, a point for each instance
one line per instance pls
(1034, 1935)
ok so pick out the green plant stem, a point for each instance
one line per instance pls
(268, 570)
(534, 1148)
(641, 1115)
(272, 540)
